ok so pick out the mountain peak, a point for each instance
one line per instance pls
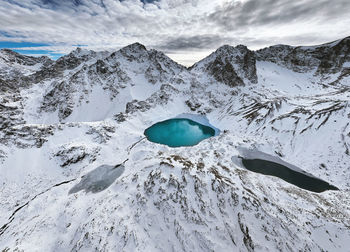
(10, 56)
(134, 47)
(133, 51)
(6, 50)
(80, 52)
(230, 65)
(9, 52)
(228, 49)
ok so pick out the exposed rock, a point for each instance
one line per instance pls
(230, 65)
(325, 59)
(69, 155)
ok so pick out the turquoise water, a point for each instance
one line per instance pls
(178, 132)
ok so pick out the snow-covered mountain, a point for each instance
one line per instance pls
(84, 116)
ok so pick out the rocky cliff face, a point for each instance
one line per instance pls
(63, 120)
(114, 73)
(14, 67)
(12, 58)
(327, 59)
(230, 65)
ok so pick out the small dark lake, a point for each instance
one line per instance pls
(296, 178)
(178, 132)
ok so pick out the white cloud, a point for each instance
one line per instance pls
(175, 26)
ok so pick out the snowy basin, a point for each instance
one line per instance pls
(269, 165)
(178, 132)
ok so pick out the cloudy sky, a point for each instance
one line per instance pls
(186, 30)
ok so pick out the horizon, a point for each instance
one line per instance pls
(14, 46)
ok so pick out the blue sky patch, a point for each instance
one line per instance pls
(9, 44)
(20, 48)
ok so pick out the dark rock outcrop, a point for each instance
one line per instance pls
(233, 66)
(324, 59)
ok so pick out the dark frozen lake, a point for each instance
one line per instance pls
(178, 132)
(291, 176)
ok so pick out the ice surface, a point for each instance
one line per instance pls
(199, 119)
(99, 179)
(266, 164)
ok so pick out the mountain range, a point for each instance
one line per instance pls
(72, 119)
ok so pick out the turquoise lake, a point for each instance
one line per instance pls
(178, 132)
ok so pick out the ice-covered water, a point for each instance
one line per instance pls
(98, 179)
(289, 175)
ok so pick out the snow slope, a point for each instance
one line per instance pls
(89, 110)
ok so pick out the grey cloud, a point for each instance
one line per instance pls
(184, 43)
(75, 22)
(207, 42)
(240, 15)
(57, 3)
